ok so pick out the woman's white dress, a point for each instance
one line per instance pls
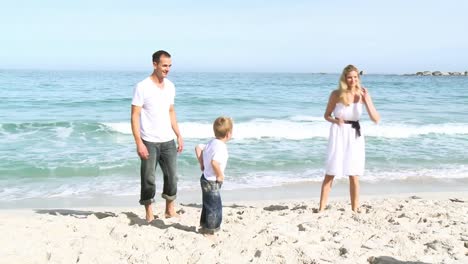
(346, 151)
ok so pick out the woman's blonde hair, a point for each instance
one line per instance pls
(343, 89)
(222, 126)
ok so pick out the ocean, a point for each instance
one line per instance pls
(66, 134)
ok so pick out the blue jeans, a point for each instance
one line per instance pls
(212, 210)
(164, 153)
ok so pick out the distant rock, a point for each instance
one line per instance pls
(439, 73)
(427, 73)
(424, 73)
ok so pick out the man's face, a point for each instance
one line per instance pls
(163, 67)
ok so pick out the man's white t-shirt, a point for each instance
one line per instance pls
(155, 121)
(214, 150)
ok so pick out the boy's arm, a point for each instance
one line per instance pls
(199, 153)
(217, 171)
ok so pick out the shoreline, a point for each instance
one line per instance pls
(307, 190)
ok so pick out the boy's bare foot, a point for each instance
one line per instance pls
(210, 236)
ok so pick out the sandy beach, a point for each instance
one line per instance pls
(405, 228)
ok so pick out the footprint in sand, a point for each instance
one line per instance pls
(276, 208)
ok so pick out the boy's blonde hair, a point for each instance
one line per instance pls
(222, 126)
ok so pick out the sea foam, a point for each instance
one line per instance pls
(297, 130)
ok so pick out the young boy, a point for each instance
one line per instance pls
(213, 159)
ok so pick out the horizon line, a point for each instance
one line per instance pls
(190, 71)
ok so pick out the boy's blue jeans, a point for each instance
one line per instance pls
(164, 153)
(212, 210)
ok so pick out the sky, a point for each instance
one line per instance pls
(236, 36)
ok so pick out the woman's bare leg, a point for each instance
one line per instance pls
(354, 192)
(326, 187)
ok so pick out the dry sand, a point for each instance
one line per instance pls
(425, 228)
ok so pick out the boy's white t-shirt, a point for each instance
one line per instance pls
(214, 150)
(155, 121)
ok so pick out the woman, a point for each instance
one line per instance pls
(346, 153)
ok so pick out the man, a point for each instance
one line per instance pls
(154, 124)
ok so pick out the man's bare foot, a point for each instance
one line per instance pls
(170, 210)
(149, 213)
(172, 215)
(151, 218)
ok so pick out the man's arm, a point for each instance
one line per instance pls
(175, 128)
(135, 120)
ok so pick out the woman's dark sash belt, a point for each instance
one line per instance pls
(355, 125)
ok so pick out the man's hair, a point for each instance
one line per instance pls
(222, 126)
(158, 54)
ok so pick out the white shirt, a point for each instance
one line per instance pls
(214, 150)
(155, 121)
